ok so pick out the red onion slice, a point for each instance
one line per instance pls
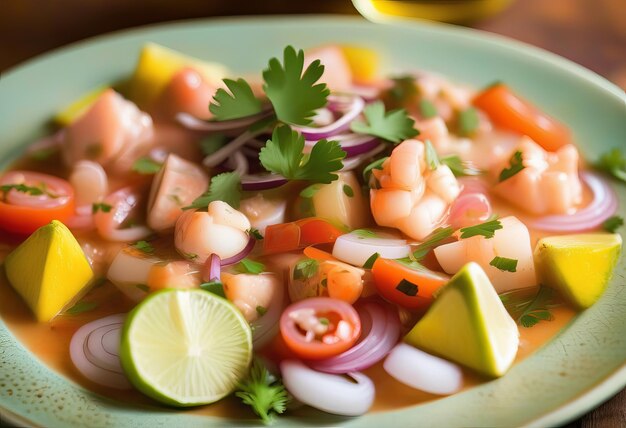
(94, 350)
(211, 270)
(374, 344)
(192, 122)
(252, 183)
(603, 205)
(353, 162)
(242, 254)
(352, 144)
(342, 124)
(238, 163)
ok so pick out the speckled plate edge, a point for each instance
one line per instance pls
(604, 375)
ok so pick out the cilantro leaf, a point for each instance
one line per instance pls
(364, 233)
(347, 190)
(432, 160)
(215, 287)
(146, 166)
(613, 162)
(263, 392)
(369, 263)
(292, 92)
(427, 109)
(468, 122)
(538, 309)
(254, 232)
(283, 155)
(224, 187)
(144, 246)
(310, 191)
(240, 102)
(367, 171)
(261, 310)
(504, 264)
(305, 269)
(250, 266)
(516, 166)
(458, 167)
(29, 190)
(394, 126)
(434, 239)
(100, 206)
(403, 92)
(81, 307)
(611, 224)
(486, 229)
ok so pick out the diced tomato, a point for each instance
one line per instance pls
(509, 111)
(405, 286)
(299, 234)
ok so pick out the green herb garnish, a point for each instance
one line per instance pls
(310, 191)
(487, 229)
(262, 391)
(100, 206)
(377, 164)
(468, 122)
(240, 102)
(347, 190)
(364, 233)
(144, 246)
(224, 187)
(432, 160)
(369, 263)
(215, 287)
(81, 307)
(305, 269)
(250, 266)
(613, 223)
(395, 126)
(23, 188)
(504, 264)
(283, 155)
(434, 239)
(614, 163)
(458, 167)
(146, 166)
(255, 233)
(515, 166)
(407, 287)
(427, 109)
(538, 309)
(403, 91)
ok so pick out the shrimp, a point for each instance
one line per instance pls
(90, 183)
(221, 230)
(548, 183)
(176, 185)
(252, 294)
(111, 130)
(412, 198)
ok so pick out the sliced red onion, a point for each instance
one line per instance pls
(373, 346)
(342, 124)
(251, 183)
(192, 122)
(603, 205)
(265, 328)
(353, 162)
(242, 254)
(352, 144)
(224, 152)
(328, 392)
(94, 350)
(211, 271)
(238, 163)
(423, 371)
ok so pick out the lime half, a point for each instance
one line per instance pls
(185, 347)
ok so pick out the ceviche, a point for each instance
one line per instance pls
(311, 236)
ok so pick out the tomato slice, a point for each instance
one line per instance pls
(508, 110)
(283, 237)
(320, 327)
(30, 200)
(405, 286)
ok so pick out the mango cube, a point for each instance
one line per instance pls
(362, 61)
(49, 270)
(76, 109)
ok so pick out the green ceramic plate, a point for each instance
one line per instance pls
(580, 368)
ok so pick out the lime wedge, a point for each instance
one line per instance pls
(579, 266)
(468, 324)
(185, 347)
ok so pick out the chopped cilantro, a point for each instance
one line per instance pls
(23, 188)
(224, 187)
(250, 266)
(427, 109)
(305, 269)
(613, 162)
(310, 191)
(101, 206)
(261, 310)
(367, 171)
(144, 246)
(432, 160)
(538, 309)
(487, 229)
(347, 190)
(407, 287)
(515, 166)
(262, 391)
(212, 143)
(611, 224)
(403, 92)
(146, 166)
(369, 263)
(283, 155)
(434, 239)
(293, 93)
(240, 102)
(504, 264)
(394, 126)
(364, 233)
(458, 167)
(81, 307)
(215, 287)
(255, 233)
(324, 321)
(468, 122)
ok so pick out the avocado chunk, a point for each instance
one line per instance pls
(579, 266)
(49, 270)
(468, 324)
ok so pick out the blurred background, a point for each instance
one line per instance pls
(589, 32)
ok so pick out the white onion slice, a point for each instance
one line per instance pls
(94, 350)
(224, 152)
(328, 392)
(423, 371)
(238, 163)
(343, 123)
(355, 250)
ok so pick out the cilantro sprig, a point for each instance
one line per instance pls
(224, 187)
(394, 126)
(240, 102)
(614, 163)
(250, 266)
(262, 391)
(486, 229)
(504, 264)
(515, 166)
(458, 167)
(146, 166)
(283, 155)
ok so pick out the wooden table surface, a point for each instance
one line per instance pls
(589, 32)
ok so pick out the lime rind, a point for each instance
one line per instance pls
(185, 347)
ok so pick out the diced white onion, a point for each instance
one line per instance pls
(355, 250)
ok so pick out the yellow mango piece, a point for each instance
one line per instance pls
(362, 61)
(341, 202)
(156, 67)
(76, 109)
(49, 270)
(579, 266)
(468, 324)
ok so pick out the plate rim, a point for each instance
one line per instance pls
(577, 406)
